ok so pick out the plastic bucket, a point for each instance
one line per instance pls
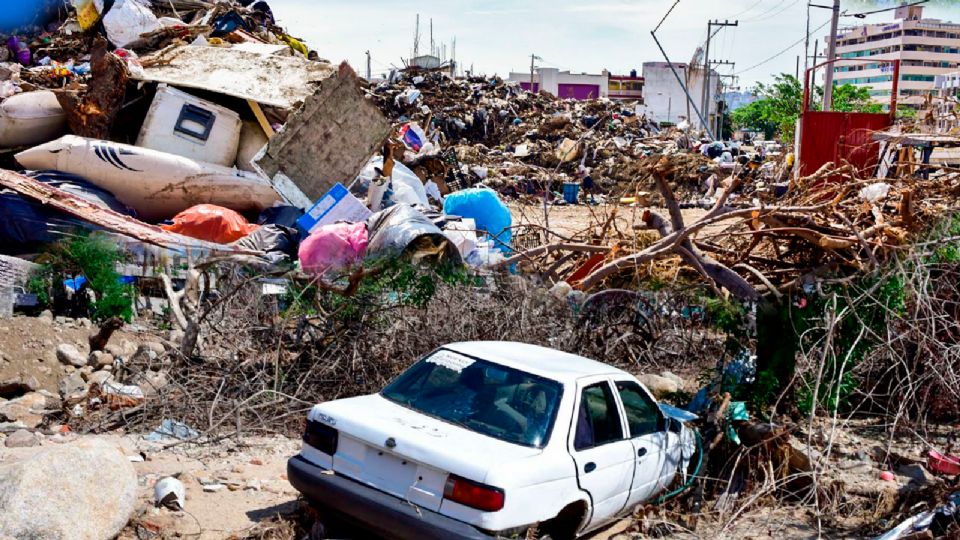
(571, 192)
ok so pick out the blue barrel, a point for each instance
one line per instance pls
(571, 191)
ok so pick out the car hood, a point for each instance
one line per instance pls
(374, 419)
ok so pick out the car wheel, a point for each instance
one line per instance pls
(318, 531)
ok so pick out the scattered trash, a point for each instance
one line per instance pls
(181, 124)
(486, 209)
(333, 247)
(170, 492)
(172, 429)
(211, 223)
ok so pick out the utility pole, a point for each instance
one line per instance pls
(368, 65)
(707, 78)
(798, 68)
(709, 97)
(533, 58)
(806, 45)
(831, 54)
(673, 69)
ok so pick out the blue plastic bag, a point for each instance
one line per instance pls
(484, 206)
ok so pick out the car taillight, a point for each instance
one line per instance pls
(322, 437)
(473, 494)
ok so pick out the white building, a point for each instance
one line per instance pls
(565, 85)
(665, 99)
(925, 47)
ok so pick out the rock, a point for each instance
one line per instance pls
(83, 490)
(151, 382)
(46, 316)
(73, 387)
(917, 474)
(113, 350)
(175, 336)
(129, 348)
(252, 485)
(213, 488)
(20, 384)
(674, 378)
(68, 354)
(27, 409)
(99, 359)
(659, 386)
(99, 377)
(18, 439)
(85, 323)
(154, 346)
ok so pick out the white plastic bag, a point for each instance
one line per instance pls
(127, 20)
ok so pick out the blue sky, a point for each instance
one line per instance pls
(497, 36)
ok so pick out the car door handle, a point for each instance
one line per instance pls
(590, 467)
(641, 452)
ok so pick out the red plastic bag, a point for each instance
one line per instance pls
(333, 247)
(211, 223)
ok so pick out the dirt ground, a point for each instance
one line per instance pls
(28, 346)
(574, 220)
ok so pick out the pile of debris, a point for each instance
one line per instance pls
(462, 132)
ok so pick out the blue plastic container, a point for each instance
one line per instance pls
(571, 192)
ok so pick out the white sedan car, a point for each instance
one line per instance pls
(485, 440)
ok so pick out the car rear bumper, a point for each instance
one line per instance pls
(384, 514)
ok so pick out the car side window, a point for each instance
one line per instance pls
(598, 421)
(643, 415)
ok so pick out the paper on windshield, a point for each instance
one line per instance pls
(451, 360)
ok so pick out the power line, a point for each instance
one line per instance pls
(765, 13)
(781, 53)
(777, 14)
(734, 16)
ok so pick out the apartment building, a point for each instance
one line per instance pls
(925, 47)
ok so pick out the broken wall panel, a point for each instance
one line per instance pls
(281, 81)
(328, 140)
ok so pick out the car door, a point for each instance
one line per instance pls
(603, 455)
(648, 436)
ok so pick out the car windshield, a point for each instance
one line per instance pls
(481, 396)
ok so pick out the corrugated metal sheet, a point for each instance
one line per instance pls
(840, 137)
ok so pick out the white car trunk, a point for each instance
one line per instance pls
(388, 446)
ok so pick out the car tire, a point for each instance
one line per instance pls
(318, 531)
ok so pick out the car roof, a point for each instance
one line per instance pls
(545, 362)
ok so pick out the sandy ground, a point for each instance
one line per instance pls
(574, 220)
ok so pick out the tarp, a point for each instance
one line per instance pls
(402, 230)
(26, 224)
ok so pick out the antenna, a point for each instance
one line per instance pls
(416, 38)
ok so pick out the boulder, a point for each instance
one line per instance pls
(659, 386)
(27, 409)
(73, 388)
(20, 384)
(672, 377)
(154, 346)
(68, 354)
(85, 491)
(100, 359)
(18, 439)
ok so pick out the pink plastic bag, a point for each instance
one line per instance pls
(333, 247)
